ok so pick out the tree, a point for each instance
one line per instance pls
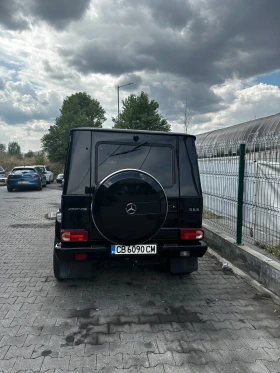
(14, 149)
(2, 148)
(188, 115)
(78, 110)
(29, 154)
(141, 114)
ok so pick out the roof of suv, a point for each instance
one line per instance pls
(131, 131)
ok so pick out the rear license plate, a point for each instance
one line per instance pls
(134, 249)
(22, 182)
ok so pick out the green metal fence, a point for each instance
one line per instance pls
(240, 184)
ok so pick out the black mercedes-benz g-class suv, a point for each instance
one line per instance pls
(133, 195)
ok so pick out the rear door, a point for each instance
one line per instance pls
(155, 154)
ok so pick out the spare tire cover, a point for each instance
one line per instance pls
(129, 207)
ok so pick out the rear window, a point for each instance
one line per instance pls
(156, 160)
(24, 170)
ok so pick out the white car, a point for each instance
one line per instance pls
(59, 178)
(46, 170)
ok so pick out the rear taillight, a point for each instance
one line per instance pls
(73, 235)
(191, 234)
(81, 256)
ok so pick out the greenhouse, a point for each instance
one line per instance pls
(219, 162)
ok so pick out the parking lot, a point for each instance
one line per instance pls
(124, 318)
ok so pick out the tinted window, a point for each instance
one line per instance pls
(79, 167)
(24, 170)
(155, 159)
(47, 168)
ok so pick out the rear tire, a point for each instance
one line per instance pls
(56, 263)
(40, 187)
(56, 268)
(9, 189)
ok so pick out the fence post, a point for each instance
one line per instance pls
(240, 194)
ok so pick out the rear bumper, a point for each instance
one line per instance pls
(21, 186)
(103, 252)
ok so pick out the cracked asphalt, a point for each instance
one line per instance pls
(124, 319)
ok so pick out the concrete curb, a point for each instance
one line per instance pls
(260, 268)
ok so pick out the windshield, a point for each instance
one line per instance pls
(156, 160)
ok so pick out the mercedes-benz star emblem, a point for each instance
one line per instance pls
(131, 208)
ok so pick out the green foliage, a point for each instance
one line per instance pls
(78, 110)
(141, 114)
(2, 148)
(14, 149)
(40, 159)
(29, 154)
(56, 168)
(272, 249)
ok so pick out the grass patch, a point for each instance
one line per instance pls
(49, 216)
(272, 249)
(210, 215)
(8, 162)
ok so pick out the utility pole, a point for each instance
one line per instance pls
(120, 86)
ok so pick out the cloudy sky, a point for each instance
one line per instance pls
(223, 55)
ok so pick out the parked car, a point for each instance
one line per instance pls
(49, 174)
(132, 195)
(59, 178)
(3, 178)
(23, 177)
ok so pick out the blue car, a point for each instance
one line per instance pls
(23, 177)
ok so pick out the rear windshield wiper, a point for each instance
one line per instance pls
(131, 150)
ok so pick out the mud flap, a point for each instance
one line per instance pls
(183, 265)
(75, 270)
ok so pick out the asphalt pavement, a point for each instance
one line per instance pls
(124, 319)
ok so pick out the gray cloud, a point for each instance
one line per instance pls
(20, 103)
(130, 78)
(175, 14)
(16, 14)
(56, 72)
(106, 57)
(2, 84)
(205, 43)
(169, 49)
(172, 97)
(59, 13)
(11, 16)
